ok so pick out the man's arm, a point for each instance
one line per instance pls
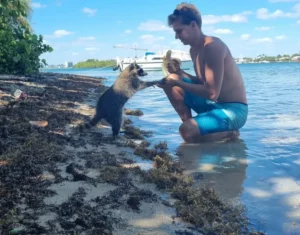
(192, 77)
(214, 55)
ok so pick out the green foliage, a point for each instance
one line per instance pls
(94, 63)
(278, 58)
(20, 48)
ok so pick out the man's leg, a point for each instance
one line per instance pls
(176, 97)
(190, 132)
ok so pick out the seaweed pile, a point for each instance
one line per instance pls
(36, 152)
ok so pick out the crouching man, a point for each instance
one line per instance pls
(217, 92)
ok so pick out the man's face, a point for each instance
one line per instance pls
(183, 32)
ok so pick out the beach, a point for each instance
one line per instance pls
(55, 180)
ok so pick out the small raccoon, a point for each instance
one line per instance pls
(110, 106)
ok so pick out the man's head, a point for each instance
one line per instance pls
(186, 21)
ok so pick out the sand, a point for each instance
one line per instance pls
(121, 203)
(54, 180)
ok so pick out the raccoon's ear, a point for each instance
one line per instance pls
(137, 66)
(132, 66)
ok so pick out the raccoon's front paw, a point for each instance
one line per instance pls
(161, 82)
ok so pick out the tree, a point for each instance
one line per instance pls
(94, 63)
(20, 47)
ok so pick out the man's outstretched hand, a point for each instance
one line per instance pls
(168, 81)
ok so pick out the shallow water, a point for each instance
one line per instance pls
(262, 169)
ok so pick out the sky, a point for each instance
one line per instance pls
(79, 30)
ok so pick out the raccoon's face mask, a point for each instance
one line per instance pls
(134, 67)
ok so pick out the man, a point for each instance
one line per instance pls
(217, 93)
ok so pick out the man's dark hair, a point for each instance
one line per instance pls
(186, 13)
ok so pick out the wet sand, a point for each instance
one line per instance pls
(54, 180)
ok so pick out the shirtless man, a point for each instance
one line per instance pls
(217, 93)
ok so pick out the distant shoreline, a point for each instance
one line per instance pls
(261, 62)
(268, 62)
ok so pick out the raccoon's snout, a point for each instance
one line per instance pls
(141, 72)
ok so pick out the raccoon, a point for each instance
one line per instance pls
(110, 106)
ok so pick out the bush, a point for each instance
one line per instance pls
(20, 48)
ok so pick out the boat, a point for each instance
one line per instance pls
(152, 61)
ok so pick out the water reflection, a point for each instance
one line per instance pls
(223, 165)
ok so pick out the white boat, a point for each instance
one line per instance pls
(152, 61)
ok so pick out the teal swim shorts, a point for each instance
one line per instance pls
(216, 117)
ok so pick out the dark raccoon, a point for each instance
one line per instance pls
(110, 105)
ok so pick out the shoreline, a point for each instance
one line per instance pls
(260, 62)
(56, 182)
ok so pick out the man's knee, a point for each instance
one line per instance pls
(174, 76)
(189, 131)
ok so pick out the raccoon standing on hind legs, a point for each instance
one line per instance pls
(110, 106)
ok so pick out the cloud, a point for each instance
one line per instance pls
(126, 32)
(175, 42)
(37, 5)
(75, 53)
(89, 11)
(296, 8)
(298, 22)
(281, 37)
(264, 14)
(86, 38)
(223, 31)
(150, 39)
(86, 42)
(90, 49)
(262, 40)
(59, 2)
(236, 18)
(263, 28)
(153, 25)
(59, 33)
(245, 36)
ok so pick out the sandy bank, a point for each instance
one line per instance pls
(53, 181)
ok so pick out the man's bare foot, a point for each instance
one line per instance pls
(233, 135)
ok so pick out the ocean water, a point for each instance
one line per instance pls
(262, 169)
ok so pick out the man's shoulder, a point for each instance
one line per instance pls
(214, 46)
(214, 43)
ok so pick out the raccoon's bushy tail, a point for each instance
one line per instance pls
(90, 124)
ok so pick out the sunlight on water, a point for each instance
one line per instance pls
(262, 168)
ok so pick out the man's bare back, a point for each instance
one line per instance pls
(232, 89)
